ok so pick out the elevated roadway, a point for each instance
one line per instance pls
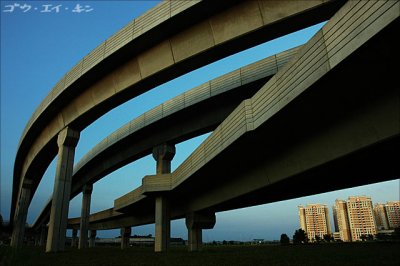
(190, 114)
(333, 112)
(328, 120)
(168, 41)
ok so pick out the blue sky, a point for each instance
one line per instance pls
(38, 48)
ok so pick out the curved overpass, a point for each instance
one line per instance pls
(168, 41)
(190, 114)
(328, 120)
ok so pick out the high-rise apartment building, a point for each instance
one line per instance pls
(381, 216)
(355, 217)
(302, 217)
(361, 217)
(341, 219)
(387, 216)
(314, 220)
(393, 214)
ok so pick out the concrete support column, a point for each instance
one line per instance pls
(43, 236)
(92, 239)
(195, 239)
(67, 141)
(87, 195)
(125, 236)
(74, 237)
(163, 224)
(21, 212)
(195, 223)
(163, 154)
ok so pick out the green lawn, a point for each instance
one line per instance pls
(351, 254)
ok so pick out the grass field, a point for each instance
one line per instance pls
(351, 254)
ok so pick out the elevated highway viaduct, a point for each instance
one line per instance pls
(168, 41)
(330, 119)
(190, 114)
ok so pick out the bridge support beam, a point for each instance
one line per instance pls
(67, 141)
(18, 233)
(163, 154)
(85, 212)
(125, 236)
(74, 237)
(92, 239)
(195, 223)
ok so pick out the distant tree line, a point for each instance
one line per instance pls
(300, 237)
(395, 236)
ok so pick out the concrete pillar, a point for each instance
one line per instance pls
(74, 237)
(162, 223)
(195, 223)
(195, 239)
(21, 212)
(163, 154)
(87, 194)
(67, 141)
(125, 236)
(43, 235)
(92, 239)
